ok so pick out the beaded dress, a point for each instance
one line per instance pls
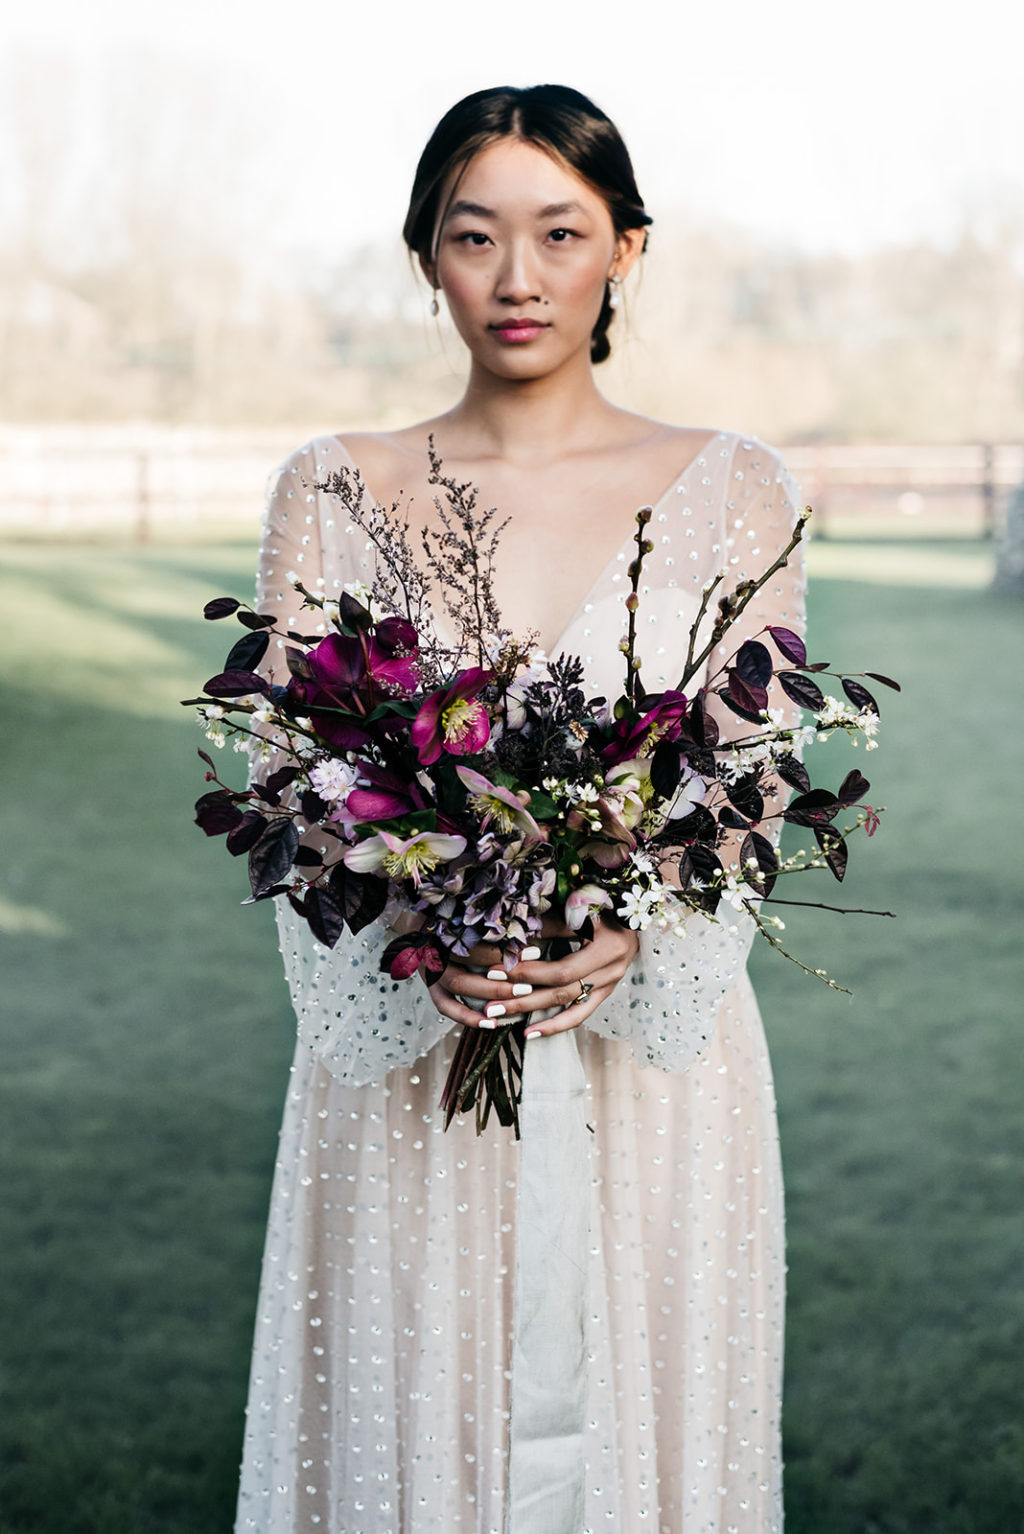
(379, 1391)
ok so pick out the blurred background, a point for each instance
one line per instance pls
(200, 267)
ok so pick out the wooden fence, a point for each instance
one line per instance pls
(148, 479)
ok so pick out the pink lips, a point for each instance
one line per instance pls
(518, 330)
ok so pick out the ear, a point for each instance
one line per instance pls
(628, 247)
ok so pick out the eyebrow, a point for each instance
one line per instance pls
(477, 210)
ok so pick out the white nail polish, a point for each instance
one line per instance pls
(530, 953)
(522, 990)
(496, 974)
(495, 1010)
(534, 1033)
(485, 1022)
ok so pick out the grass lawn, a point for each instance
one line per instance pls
(146, 1038)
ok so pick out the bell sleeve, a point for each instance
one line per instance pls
(668, 1004)
(355, 1018)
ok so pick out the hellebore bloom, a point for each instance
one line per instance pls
(387, 797)
(662, 722)
(400, 859)
(584, 904)
(499, 805)
(347, 671)
(453, 720)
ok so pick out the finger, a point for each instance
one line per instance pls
(545, 997)
(450, 1006)
(571, 1016)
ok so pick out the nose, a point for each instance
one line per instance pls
(517, 280)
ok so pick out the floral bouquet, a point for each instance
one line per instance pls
(463, 790)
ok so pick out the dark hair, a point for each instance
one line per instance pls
(566, 125)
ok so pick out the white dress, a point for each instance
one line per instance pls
(379, 1392)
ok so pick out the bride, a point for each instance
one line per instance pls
(379, 1398)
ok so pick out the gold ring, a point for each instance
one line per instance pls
(585, 990)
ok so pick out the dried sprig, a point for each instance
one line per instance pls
(461, 558)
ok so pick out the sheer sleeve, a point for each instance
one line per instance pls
(669, 1003)
(359, 1021)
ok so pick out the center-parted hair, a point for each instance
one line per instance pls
(557, 119)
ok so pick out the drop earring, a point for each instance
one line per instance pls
(613, 291)
(435, 307)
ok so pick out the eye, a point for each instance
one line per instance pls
(562, 236)
(476, 237)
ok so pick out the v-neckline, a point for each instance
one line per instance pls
(616, 556)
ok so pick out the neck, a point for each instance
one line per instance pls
(530, 421)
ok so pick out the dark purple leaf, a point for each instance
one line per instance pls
(217, 812)
(267, 795)
(267, 894)
(789, 644)
(737, 708)
(801, 689)
(282, 777)
(325, 920)
(221, 607)
(360, 897)
(248, 652)
(703, 726)
(749, 696)
(246, 833)
(273, 854)
(698, 862)
(313, 807)
(853, 787)
(235, 684)
(859, 695)
(207, 759)
(298, 665)
(759, 848)
(731, 819)
(818, 665)
(306, 857)
(754, 664)
(835, 850)
(745, 796)
(256, 620)
(297, 900)
(886, 681)
(698, 825)
(665, 769)
(793, 772)
(812, 808)
(352, 612)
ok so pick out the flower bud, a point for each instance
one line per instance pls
(633, 568)
(647, 547)
(644, 515)
(624, 646)
(637, 663)
(632, 602)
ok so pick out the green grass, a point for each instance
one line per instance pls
(146, 1037)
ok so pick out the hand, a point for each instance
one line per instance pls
(601, 962)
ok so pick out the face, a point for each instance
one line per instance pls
(522, 258)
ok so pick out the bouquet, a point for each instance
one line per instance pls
(473, 786)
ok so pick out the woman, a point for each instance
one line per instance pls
(379, 1398)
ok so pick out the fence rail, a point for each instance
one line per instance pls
(146, 478)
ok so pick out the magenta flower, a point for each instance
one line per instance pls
(453, 720)
(354, 673)
(662, 722)
(388, 796)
